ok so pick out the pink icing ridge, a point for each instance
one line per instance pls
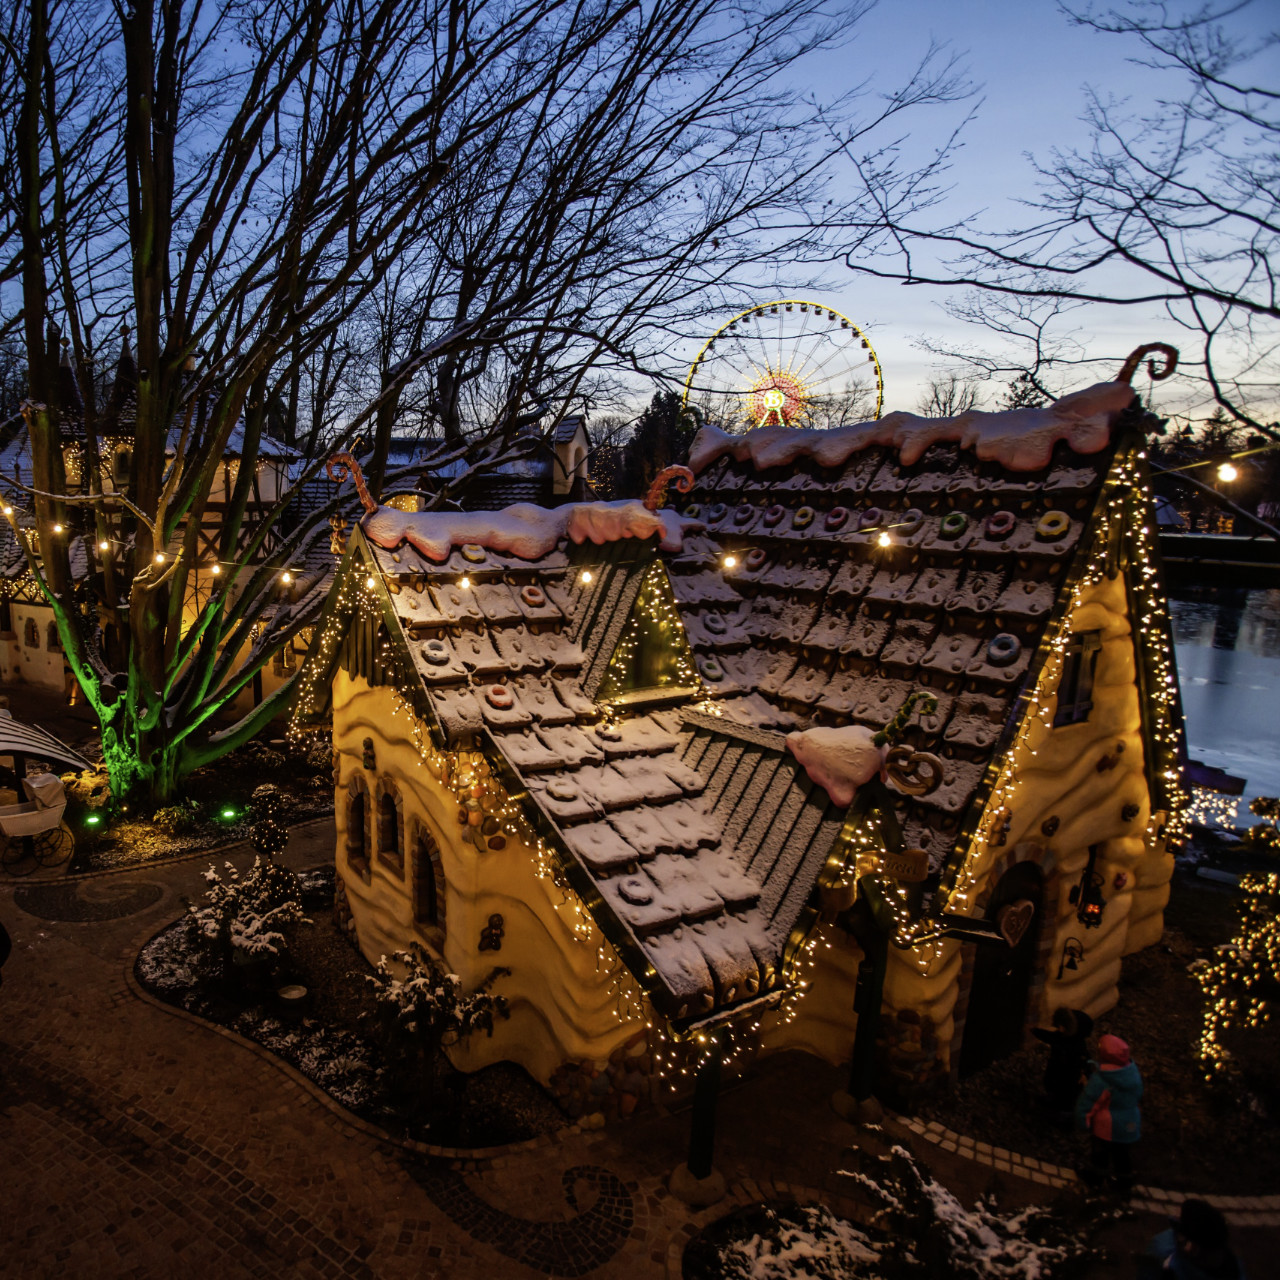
(523, 529)
(1018, 439)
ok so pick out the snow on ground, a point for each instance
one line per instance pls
(819, 1245)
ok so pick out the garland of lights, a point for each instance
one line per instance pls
(655, 606)
(468, 775)
(1127, 501)
(1240, 983)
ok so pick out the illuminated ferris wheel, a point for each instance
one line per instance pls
(787, 363)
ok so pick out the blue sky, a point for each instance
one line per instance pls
(1032, 66)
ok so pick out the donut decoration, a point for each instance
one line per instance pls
(837, 518)
(1053, 525)
(1000, 524)
(954, 523)
(802, 518)
(773, 516)
(533, 596)
(473, 552)
(871, 517)
(498, 696)
(909, 521)
(712, 670)
(1004, 649)
(693, 511)
(715, 624)
(436, 652)
(637, 890)
(717, 511)
(756, 557)
(743, 512)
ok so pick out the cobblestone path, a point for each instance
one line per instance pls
(136, 1142)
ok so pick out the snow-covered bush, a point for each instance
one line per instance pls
(425, 1009)
(243, 914)
(767, 1242)
(925, 1231)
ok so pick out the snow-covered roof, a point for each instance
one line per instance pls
(569, 427)
(692, 831)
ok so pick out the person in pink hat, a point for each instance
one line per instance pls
(1108, 1111)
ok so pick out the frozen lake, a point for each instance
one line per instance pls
(1228, 650)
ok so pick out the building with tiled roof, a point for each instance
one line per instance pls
(632, 755)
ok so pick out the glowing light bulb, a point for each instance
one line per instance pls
(104, 545)
(1228, 472)
(884, 539)
(464, 583)
(217, 569)
(586, 575)
(731, 562)
(368, 582)
(57, 528)
(286, 577)
(8, 511)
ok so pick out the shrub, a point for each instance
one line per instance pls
(178, 819)
(243, 914)
(427, 1009)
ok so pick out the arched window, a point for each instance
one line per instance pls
(390, 849)
(51, 638)
(357, 851)
(121, 466)
(31, 634)
(428, 881)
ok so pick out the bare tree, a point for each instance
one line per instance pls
(1177, 209)
(948, 395)
(511, 196)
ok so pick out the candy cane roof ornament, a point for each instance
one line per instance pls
(691, 828)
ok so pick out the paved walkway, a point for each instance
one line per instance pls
(138, 1143)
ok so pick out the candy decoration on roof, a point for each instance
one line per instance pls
(681, 477)
(342, 465)
(1158, 372)
(840, 760)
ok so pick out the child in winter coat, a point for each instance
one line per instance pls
(1107, 1109)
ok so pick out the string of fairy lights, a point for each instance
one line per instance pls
(486, 808)
(1239, 983)
(1126, 506)
(655, 604)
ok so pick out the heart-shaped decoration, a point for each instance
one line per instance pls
(1014, 919)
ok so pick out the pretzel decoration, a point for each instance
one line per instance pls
(1157, 372)
(342, 465)
(914, 773)
(681, 477)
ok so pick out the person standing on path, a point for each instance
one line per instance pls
(1108, 1111)
(1068, 1060)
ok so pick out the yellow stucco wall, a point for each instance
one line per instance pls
(561, 1005)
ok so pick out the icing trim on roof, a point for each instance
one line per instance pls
(523, 529)
(1018, 439)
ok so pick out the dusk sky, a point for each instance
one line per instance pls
(1032, 66)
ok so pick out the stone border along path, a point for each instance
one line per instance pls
(202, 1157)
(1242, 1211)
(1245, 1211)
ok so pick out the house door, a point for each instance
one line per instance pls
(1002, 975)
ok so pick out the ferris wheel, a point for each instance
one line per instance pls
(788, 363)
